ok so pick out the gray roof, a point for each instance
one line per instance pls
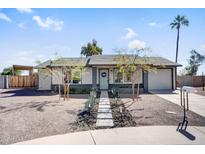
(64, 62)
(104, 60)
(112, 60)
(44, 64)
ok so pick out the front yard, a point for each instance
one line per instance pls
(26, 114)
(154, 110)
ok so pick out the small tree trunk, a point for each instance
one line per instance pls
(68, 91)
(59, 91)
(138, 90)
(64, 92)
(133, 91)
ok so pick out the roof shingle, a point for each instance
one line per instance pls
(112, 60)
(103, 60)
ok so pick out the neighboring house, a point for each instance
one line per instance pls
(102, 73)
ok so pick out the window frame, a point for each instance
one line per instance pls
(80, 79)
(114, 73)
(124, 74)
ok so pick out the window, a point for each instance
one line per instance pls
(76, 76)
(127, 76)
(118, 76)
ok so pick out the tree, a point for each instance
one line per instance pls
(71, 70)
(91, 49)
(194, 61)
(133, 64)
(10, 71)
(177, 23)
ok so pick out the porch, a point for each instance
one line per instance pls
(105, 78)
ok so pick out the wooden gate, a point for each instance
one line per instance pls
(23, 81)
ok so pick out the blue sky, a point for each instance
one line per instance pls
(27, 35)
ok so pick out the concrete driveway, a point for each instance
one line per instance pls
(196, 102)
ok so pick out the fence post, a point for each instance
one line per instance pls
(181, 95)
(187, 100)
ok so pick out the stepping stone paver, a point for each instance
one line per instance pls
(104, 123)
(104, 106)
(100, 110)
(104, 116)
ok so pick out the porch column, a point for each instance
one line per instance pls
(94, 77)
(145, 81)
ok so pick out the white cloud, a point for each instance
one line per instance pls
(158, 25)
(202, 47)
(136, 44)
(22, 25)
(3, 16)
(24, 10)
(25, 57)
(49, 23)
(28, 57)
(152, 24)
(130, 34)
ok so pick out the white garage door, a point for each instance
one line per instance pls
(161, 79)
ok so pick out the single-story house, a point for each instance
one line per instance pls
(102, 73)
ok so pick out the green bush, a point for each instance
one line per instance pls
(80, 90)
(74, 90)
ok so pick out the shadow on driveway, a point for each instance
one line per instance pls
(39, 106)
(25, 92)
(34, 92)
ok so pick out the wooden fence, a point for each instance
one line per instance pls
(193, 81)
(23, 81)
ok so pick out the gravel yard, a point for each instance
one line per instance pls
(26, 114)
(153, 110)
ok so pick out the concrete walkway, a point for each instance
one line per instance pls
(196, 102)
(104, 115)
(128, 135)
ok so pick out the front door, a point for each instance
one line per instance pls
(103, 79)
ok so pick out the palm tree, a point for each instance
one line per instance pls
(177, 23)
(91, 49)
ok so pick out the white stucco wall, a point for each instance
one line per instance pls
(111, 76)
(2, 82)
(87, 76)
(139, 75)
(97, 75)
(44, 80)
(57, 76)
